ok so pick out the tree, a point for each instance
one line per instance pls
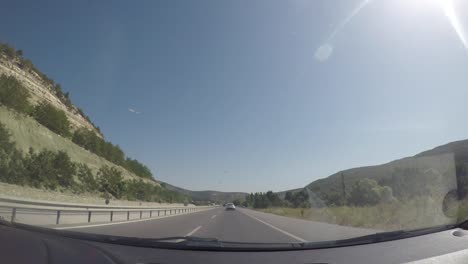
(52, 118)
(138, 168)
(64, 169)
(86, 178)
(41, 172)
(298, 199)
(111, 181)
(12, 168)
(367, 192)
(13, 94)
(49, 169)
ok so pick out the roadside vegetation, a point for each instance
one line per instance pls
(55, 171)
(368, 204)
(413, 214)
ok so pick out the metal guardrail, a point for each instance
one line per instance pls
(63, 204)
(57, 212)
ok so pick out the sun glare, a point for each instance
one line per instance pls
(451, 14)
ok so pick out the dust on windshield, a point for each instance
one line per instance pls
(264, 121)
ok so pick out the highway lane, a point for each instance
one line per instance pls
(241, 225)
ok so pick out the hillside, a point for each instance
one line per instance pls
(442, 168)
(28, 133)
(44, 90)
(213, 196)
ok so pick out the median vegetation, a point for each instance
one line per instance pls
(56, 171)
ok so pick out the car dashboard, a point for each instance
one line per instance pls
(25, 246)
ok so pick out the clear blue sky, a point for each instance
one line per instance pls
(255, 95)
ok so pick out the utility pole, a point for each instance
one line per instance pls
(343, 188)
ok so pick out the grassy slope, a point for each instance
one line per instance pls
(26, 132)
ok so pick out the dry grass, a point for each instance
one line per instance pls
(417, 213)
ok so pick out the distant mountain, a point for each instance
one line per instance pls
(213, 196)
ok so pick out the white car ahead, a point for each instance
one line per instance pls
(230, 206)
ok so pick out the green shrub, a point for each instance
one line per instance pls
(13, 94)
(12, 169)
(64, 169)
(89, 140)
(367, 192)
(138, 168)
(50, 169)
(111, 181)
(86, 178)
(41, 170)
(52, 118)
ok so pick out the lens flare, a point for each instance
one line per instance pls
(326, 49)
(449, 11)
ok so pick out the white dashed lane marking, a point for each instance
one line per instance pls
(193, 231)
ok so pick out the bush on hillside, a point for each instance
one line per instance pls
(12, 168)
(49, 169)
(367, 192)
(90, 141)
(111, 181)
(138, 168)
(13, 94)
(52, 118)
(86, 178)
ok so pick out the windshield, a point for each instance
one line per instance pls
(238, 121)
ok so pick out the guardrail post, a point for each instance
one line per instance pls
(165, 212)
(141, 213)
(158, 212)
(13, 214)
(128, 215)
(57, 221)
(89, 217)
(111, 216)
(151, 213)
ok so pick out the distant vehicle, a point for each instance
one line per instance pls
(230, 206)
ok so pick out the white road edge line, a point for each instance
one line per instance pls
(193, 231)
(276, 228)
(213, 216)
(124, 222)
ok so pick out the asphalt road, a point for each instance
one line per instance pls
(241, 225)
